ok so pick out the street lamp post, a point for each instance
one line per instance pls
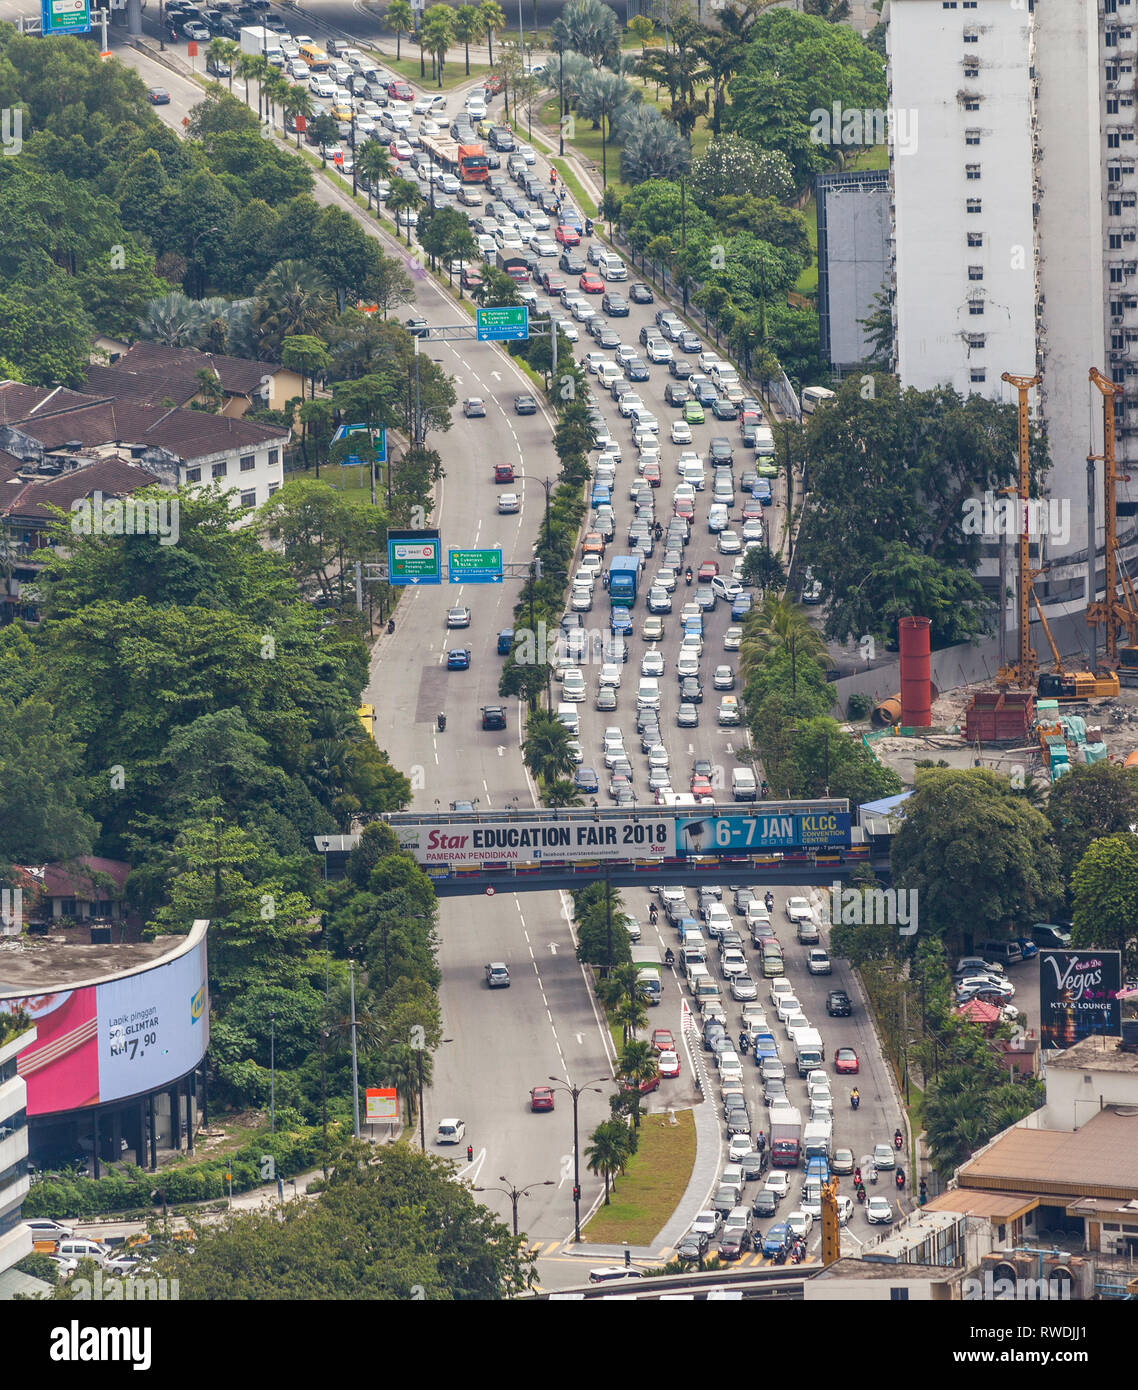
(515, 1193)
(577, 1092)
(272, 1073)
(561, 110)
(355, 1059)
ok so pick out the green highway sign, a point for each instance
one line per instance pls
(65, 16)
(474, 566)
(414, 557)
(497, 325)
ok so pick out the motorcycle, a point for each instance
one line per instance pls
(744, 1044)
(390, 626)
(898, 1140)
(857, 1177)
(861, 1192)
(687, 577)
(855, 1100)
(873, 1176)
(652, 915)
(588, 226)
(769, 900)
(780, 1258)
(441, 721)
(900, 1178)
(669, 957)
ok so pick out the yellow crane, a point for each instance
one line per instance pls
(1111, 613)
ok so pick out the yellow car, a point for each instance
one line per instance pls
(341, 112)
(653, 630)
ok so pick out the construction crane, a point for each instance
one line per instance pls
(1024, 671)
(831, 1230)
(1111, 613)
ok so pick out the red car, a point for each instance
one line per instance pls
(701, 786)
(503, 472)
(652, 1084)
(845, 1061)
(683, 506)
(651, 474)
(400, 91)
(568, 236)
(707, 571)
(393, 151)
(492, 85)
(541, 1098)
(591, 284)
(752, 508)
(662, 1040)
(551, 283)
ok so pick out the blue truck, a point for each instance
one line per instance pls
(624, 579)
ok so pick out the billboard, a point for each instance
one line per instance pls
(1078, 996)
(822, 829)
(528, 842)
(119, 1037)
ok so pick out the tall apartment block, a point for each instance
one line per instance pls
(1014, 219)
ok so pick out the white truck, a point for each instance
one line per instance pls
(255, 38)
(648, 967)
(809, 1052)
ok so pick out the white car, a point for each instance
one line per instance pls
(818, 962)
(683, 491)
(778, 1183)
(729, 543)
(665, 579)
(687, 666)
(610, 674)
(707, 1222)
(845, 1210)
(573, 686)
(581, 599)
(450, 1132)
(680, 432)
(576, 753)
(739, 1146)
(785, 1005)
(508, 502)
(800, 1223)
(725, 588)
(883, 1157)
(878, 1212)
(798, 910)
(652, 663)
(732, 638)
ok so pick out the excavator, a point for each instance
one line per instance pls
(1059, 684)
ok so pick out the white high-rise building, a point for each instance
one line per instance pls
(1014, 216)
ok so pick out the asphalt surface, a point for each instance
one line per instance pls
(503, 1042)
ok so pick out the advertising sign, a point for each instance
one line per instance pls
(822, 829)
(116, 1038)
(474, 566)
(497, 325)
(382, 1105)
(414, 557)
(65, 16)
(526, 842)
(1078, 996)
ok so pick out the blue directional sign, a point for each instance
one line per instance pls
(65, 16)
(821, 829)
(414, 557)
(500, 324)
(474, 566)
(378, 435)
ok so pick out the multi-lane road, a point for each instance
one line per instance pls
(503, 1042)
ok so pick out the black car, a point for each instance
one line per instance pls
(525, 405)
(747, 435)
(608, 339)
(838, 1004)
(680, 368)
(493, 717)
(501, 138)
(675, 394)
(637, 370)
(720, 452)
(765, 1204)
(595, 327)
(691, 690)
(693, 1246)
(754, 1164)
(572, 263)
(724, 409)
(615, 304)
(734, 1243)
(641, 294)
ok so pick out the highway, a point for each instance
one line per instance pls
(500, 1043)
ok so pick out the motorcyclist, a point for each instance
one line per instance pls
(669, 957)
(857, 1177)
(900, 1178)
(652, 913)
(898, 1139)
(687, 575)
(769, 900)
(442, 722)
(743, 1042)
(855, 1098)
(873, 1175)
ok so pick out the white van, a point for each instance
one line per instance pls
(607, 373)
(648, 693)
(813, 397)
(80, 1249)
(693, 472)
(567, 715)
(697, 971)
(613, 268)
(743, 786)
(757, 912)
(764, 441)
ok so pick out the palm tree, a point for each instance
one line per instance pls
(468, 28)
(601, 97)
(632, 1014)
(220, 51)
(637, 1064)
(297, 101)
(374, 163)
(400, 19)
(608, 1152)
(293, 298)
(561, 792)
(438, 35)
(175, 320)
(593, 29)
(650, 147)
(276, 88)
(249, 65)
(404, 196)
(493, 21)
(723, 56)
(780, 625)
(546, 747)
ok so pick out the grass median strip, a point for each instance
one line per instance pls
(645, 1196)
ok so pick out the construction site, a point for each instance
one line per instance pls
(1037, 718)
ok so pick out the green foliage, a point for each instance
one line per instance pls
(1105, 895)
(858, 706)
(1088, 804)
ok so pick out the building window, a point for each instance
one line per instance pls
(1115, 241)
(975, 306)
(1113, 173)
(274, 487)
(969, 5)
(972, 172)
(1110, 38)
(971, 137)
(249, 499)
(971, 103)
(1112, 106)
(971, 68)
(1114, 207)
(975, 238)
(274, 457)
(1116, 275)
(973, 205)
(1112, 139)
(248, 462)
(975, 272)
(1117, 341)
(221, 469)
(1116, 307)
(972, 36)
(193, 475)
(948, 4)
(974, 340)
(978, 375)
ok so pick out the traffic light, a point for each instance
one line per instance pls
(576, 1192)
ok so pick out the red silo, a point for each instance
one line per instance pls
(916, 686)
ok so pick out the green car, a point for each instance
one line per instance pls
(693, 412)
(766, 467)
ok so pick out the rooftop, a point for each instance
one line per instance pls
(849, 1268)
(1095, 1054)
(38, 964)
(1100, 1159)
(998, 1207)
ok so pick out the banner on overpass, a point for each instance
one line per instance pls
(723, 835)
(528, 842)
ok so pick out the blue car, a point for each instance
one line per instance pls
(621, 621)
(1027, 946)
(602, 495)
(764, 1046)
(459, 659)
(585, 780)
(570, 217)
(762, 492)
(776, 1238)
(741, 606)
(818, 1168)
(505, 641)
(694, 624)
